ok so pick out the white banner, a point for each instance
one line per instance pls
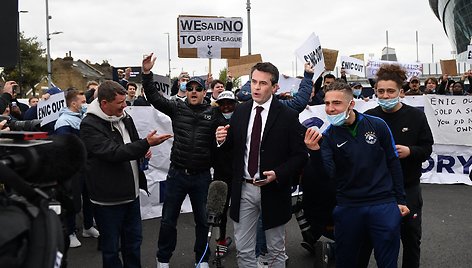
(469, 54)
(412, 69)
(448, 164)
(48, 110)
(288, 84)
(311, 52)
(353, 66)
(450, 118)
(210, 34)
(163, 84)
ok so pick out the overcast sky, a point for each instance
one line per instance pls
(122, 31)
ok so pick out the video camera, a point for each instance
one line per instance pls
(21, 125)
(33, 172)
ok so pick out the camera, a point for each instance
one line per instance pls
(308, 240)
(21, 125)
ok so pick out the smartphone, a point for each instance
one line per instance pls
(13, 104)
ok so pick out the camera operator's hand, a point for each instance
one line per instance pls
(8, 87)
(2, 124)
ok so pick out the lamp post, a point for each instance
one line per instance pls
(168, 51)
(48, 49)
(20, 72)
(248, 8)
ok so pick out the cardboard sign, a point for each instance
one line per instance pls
(288, 84)
(163, 84)
(469, 54)
(353, 66)
(311, 51)
(449, 67)
(243, 65)
(358, 56)
(48, 110)
(209, 37)
(330, 58)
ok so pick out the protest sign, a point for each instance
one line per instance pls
(163, 84)
(209, 37)
(243, 65)
(311, 52)
(450, 118)
(48, 110)
(358, 56)
(469, 54)
(412, 69)
(449, 67)
(353, 66)
(288, 84)
(330, 57)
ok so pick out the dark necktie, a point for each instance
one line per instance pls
(255, 143)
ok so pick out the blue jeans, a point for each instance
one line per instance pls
(178, 185)
(120, 230)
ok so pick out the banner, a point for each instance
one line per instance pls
(163, 84)
(48, 110)
(412, 69)
(209, 35)
(469, 54)
(311, 52)
(353, 66)
(288, 84)
(450, 118)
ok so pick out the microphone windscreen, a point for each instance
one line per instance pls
(217, 192)
(60, 159)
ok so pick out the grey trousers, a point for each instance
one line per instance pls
(245, 232)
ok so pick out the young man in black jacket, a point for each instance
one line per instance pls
(194, 124)
(114, 176)
(413, 141)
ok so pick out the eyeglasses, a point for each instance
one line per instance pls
(198, 89)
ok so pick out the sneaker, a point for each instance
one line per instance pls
(162, 265)
(74, 242)
(222, 246)
(92, 232)
(203, 265)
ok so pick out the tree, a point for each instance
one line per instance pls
(33, 63)
(223, 74)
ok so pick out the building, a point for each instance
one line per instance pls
(456, 17)
(388, 53)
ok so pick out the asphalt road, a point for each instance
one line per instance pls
(447, 236)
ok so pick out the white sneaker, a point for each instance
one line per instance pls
(203, 265)
(162, 265)
(92, 232)
(74, 242)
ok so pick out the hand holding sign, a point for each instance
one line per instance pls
(308, 67)
(311, 52)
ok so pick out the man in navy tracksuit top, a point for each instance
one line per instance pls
(359, 153)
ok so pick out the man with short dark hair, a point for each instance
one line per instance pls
(414, 87)
(131, 93)
(114, 174)
(182, 87)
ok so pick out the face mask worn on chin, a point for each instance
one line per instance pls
(388, 104)
(357, 92)
(183, 86)
(227, 115)
(338, 119)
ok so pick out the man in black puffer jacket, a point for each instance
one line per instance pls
(194, 124)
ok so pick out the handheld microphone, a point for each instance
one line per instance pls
(216, 199)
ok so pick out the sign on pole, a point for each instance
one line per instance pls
(243, 65)
(311, 52)
(353, 66)
(209, 37)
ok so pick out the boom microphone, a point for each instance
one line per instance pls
(216, 201)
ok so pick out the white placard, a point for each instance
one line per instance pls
(288, 84)
(412, 69)
(469, 54)
(210, 34)
(163, 84)
(353, 66)
(48, 110)
(311, 52)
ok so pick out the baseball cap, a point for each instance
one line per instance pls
(197, 80)
(414, 78)
(226, 95)
(355, 84)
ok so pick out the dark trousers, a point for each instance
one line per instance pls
(410, 232)
(178, 185)
(120, 230)
(381, 223)
(87, 213)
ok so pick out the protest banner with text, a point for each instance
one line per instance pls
(48, 110)
(412, 69)
(353, 66)
(312, 52)
(469, 54)
(163, 84)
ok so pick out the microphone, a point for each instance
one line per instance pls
(46, 163)
(216, 199)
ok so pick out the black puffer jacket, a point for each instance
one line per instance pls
(194, 128)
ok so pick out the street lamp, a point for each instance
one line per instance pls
(248, 8)
(168, 51)
(20, 72)
(48, 50)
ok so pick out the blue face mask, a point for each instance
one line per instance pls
(338, 119)
(83, 108)
(227, 115)
(183, 86)
(388, 104)
(357, 92)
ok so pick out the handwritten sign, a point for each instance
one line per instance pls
(163, 84)
(412, 69)
(48, 110)
(353, 66)
(208, 37)
(312, 52)
(450, 118)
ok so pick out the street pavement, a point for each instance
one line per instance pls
(447, 236)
